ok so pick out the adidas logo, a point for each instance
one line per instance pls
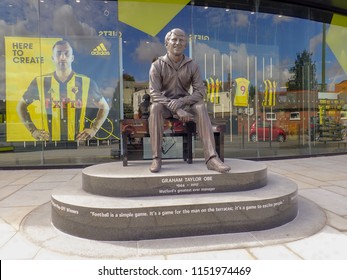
(100, 50)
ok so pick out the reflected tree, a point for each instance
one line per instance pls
(303, 72)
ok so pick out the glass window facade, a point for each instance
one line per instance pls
(71, 70)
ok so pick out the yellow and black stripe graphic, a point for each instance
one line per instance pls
(213, 88)
(64, 105)
(270, 93)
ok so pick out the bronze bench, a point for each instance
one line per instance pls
(138, 128)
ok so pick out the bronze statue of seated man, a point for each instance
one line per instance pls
(177, 90)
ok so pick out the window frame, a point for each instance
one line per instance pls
(295, 118)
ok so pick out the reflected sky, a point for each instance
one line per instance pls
(275, 40)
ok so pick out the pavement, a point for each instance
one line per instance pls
(318, 233)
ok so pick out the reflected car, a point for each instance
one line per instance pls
(265, 131)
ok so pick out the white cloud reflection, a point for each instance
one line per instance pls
(146, 51)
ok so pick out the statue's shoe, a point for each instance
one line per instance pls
(216, 164)
(156, 165)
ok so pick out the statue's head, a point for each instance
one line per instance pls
(176, 41)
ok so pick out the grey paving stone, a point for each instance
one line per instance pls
(328, 200)
(328, 244)
(237, 254)
(276, 252)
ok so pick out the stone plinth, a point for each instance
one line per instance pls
(176, 177)
(266, 201)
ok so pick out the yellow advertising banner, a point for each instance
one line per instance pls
(26, 58)
(147, 15)
(336, 39)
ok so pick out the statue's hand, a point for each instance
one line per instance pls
(175, 104)
(184, 116)
(159, 99)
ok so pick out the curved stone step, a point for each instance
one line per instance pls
(176, 177)
(85, 215)
(37, 227)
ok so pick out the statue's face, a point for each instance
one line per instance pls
(176, 43)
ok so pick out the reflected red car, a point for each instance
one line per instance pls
(265, 131)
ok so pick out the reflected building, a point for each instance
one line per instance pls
(279, 62)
